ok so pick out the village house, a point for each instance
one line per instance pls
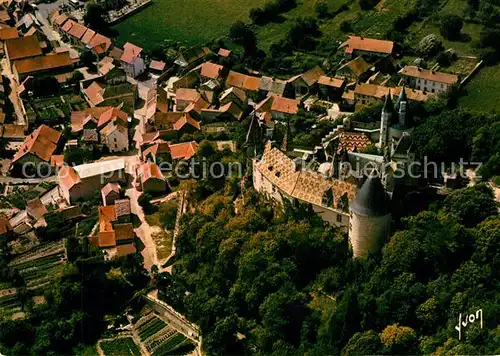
(277, 107)
(52, 64)
(184, 150)
(8, 33)
(226, 112)
(224, 53)
(279, 177)
(356, 46)
(365, 93)
(357, 70)
(152, 180)
(184, 97)
(191, 56)
(22, 48)
(186, 125)
(271, 85)
(157, 67)
(85, 180)
(5, 227)
(113, 233)
(242, 81)
(100, 93)
(131, 60)
(234, 95)
(99, 45)
(330, 88)
(157, 152)
(106, 125)
(211, 71)
(110, 193)
(428, 80)
(305, 83)
(38, 147)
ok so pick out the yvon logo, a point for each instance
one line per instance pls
(468, 320)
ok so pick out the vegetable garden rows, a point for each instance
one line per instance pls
(160, 338)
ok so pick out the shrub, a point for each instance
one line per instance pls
(451, 27)
(321, 9)
(346, 26)
(367, 4)
(430, 45)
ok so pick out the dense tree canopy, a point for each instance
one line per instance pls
(263, 282)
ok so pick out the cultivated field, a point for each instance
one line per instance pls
(482, 90)
(186, 21)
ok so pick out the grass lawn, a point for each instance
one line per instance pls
(481, 93)
(186, 21)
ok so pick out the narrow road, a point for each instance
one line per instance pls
(14, 93)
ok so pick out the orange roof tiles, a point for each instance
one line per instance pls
(79, 118)
(211, 70)
(41, 63)
(107, 214)
(285, 105)
(224, 52)
(67, 25)
(57, 160)
(107, 239)
(68, 176)
(130, 53)
(8, 33)
(99, 43)
(187, 94)
(95, 93)
(373, 90)
(112, 114)
(77, 30)
(157, 65)
(110, 187)
(368, 45)
(4, 225)
(87, 37)
(183, 150)
(23, 47)
(331, 82)
(126, 249)
(235, 79)
(59, 20)
(358, 66)
(42, 143)
(414, 71)
(150, 170)
(186, 119)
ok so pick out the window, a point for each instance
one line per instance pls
(442, 86)
(339, 218)
(274, 189)
(115, 139)
(425, 82)
(116, 146)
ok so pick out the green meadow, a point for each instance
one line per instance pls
(190, 22)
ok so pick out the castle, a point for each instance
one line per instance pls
(359, 203)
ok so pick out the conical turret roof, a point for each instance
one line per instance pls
(388, 107)
(371, 199)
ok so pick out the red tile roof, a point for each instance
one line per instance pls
(67, 25)
(285, 105)
(211, 70)
(238, 80)
(87, 37)
(8, 33)
(59, 20)
(331, 82)
(157, 65)
(368, 45)
(186, 119)
(183, 150)
(110, 187)
(126, 249)
(113, 115)
(150, 170)
(42, 143)
(95, 93)
(41, 63)
(99, 43)
(57, 160)
(77, 30)
(68, 177)
(4, 225)
(224, 52)
(130, 53)
(187, 94)
(351, 140)
(414, 71)
(23, 47)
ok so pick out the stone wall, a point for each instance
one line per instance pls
(367, 234)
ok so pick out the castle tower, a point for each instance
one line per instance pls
(385, 122)
(370, 218)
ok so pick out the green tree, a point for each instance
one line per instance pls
(242, 35)
(399, 339)
(451, 26)
(363, 343)
(96, 17)
(321, 9)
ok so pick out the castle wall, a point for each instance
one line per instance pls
(367, 234)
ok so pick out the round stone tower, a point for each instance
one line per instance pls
(370, 218)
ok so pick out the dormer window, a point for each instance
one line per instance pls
(277, 174)
(270, 168)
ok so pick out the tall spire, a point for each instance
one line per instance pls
(388, 107)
